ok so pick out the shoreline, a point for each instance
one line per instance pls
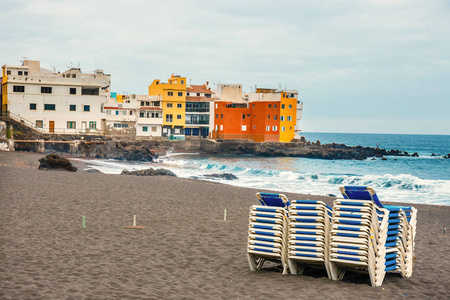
(186, 251)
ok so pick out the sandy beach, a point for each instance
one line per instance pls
(186, 250)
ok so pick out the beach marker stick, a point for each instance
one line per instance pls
(134, 219)
(445, 229)
(225, 215)
(84, 221)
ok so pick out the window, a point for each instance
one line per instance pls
(18, 88)
(8, 72)
(117, 112)
(275, 117)
(254, 126)
(49, 107)
(290, 106)
(169, 105)
(25, 73)
(20, 73)
(142, 103)
(268, 117)
(243, 117)
(169, 118)
(283, 129)
(141, 114)
(154, 129)
(86, 108)
(282, 118)
(92, 125)
(73, 107)
(244, 127)
(71, 124)
(289, 118)
(144, 128)
(39, 124)
(221, 116)
(198, 94)
(217, 127)
(108, 112)
(32, 106)
(179, 105)
(124, 112)
(274, 106)
(89, 91)
(282, 106)
(267, 128)
(178, 117)
(169, 93)
(147, 103)
(221, 127)
(270, 105)
(46, 90)
(73, 91)
(274, 128)
(180, 94)
(182, 81)
(217, 116)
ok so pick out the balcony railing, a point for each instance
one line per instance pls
(197, 109)
(197, 122)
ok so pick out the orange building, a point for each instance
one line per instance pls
(267, 116)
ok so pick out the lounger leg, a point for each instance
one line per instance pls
(292, 267)
(252, 262)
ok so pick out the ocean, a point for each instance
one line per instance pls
(424, 179)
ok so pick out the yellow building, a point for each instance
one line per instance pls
(288, 117)
(173, 95)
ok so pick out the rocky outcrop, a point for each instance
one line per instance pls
(226, 176)
(149, 172)
(308, 150)
(53, 161)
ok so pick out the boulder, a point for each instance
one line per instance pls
(54, 161)
(415, 154)
(226, 176)
(149, 172)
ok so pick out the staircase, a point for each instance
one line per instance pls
(23, 129)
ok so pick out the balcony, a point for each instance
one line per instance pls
(192, 109)
(197, 122)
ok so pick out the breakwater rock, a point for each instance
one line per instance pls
(54, 161)
(308, 150)
(226, 176)
(149, 172)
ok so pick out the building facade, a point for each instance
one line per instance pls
(54, 102)
(173, 94)
(199, 111)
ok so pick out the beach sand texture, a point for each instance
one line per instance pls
(186, 251)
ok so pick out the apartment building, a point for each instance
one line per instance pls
(199, 111)
(54, 102)
(173, 95)
(263, 115)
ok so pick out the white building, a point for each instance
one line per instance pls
(199, 111)
(294, 94)
(137, 115)
(68, 102)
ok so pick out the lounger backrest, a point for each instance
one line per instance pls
(272, 199)
(360, 193)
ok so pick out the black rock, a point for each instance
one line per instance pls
(383, 158)
(149, 172)
(93, 171)
(226, 176)
(432, 154)
(415, 154)
(54, 161)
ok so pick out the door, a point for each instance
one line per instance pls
(83, 127)
(51, 125)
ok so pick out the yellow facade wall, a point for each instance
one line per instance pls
(119, 98)
(173, 95)
(288, 110)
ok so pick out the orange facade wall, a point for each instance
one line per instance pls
(259, 121)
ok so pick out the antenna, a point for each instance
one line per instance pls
(54, 69)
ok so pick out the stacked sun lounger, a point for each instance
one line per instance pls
(309, 231)
(267, 233)
(366, 235)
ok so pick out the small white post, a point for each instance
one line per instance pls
(134, 219)
(225, 215)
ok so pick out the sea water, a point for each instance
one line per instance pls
(424, 179)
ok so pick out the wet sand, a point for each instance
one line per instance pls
(186, 250)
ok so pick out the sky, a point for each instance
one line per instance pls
(366, 66)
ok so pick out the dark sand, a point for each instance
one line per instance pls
(186, 251)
